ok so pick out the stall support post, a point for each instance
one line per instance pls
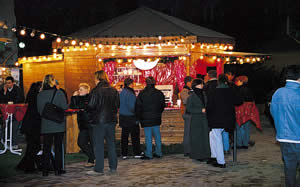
(234, 147)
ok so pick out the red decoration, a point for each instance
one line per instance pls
(200, 66)
(247, 111)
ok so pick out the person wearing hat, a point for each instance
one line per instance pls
(128, 121)
(199, 132)
(149, 107)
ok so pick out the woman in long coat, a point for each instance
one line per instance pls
(199, 132)
(52, 132)
(31, 127)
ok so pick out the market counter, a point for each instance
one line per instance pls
(171, 129)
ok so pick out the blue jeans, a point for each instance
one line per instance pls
(291, 158)
(225, 136)
(243, 134)
(107, 132)
(148, 140)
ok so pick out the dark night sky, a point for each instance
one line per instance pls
(251, 22)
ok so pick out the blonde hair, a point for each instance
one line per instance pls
(47, 81)
(101, 75)
(85, 86)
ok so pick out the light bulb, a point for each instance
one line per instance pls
(23, 32)
(42, 36)
(58, 40)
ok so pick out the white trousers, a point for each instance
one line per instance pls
(216, 145)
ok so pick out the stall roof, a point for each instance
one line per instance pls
(145, 22)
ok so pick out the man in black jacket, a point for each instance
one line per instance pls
(103, 105)
(149, 107)
(221, 116)
(12, 93)
(79, 100)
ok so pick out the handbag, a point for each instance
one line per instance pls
(52, 112)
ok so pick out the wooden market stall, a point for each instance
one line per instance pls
(138, 44)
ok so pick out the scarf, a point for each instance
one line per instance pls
(199, 93)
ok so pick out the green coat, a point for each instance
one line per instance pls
(59, 100)
(199, 132)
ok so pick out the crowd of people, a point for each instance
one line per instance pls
(207, 108)
(211, 109)
(209, 112)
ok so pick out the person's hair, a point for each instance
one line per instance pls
(10, 78)
(197, 82)
(101, 75)
(242, 78)
(150, 81)
(222, 79)
(229, 73)
(187, 79)
(33, 92)
(293, 72)
(212, 73)
(85, 86)
(127, 82)
(47, 80)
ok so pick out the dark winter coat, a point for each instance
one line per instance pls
(103, 105)
(80, 102)
(210, 87)
(149, 106)
(31, 124)
(245, 93)
(59, 100)
(199, 131)
(15, 95)
(220, 108)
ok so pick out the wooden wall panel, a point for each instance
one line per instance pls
(36, 71)
(80, 67)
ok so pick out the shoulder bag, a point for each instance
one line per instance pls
(53, 112)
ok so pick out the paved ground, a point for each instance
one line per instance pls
(260, 165)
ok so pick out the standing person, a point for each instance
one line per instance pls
(149, 106)
(11, 92)
(209, 89)
(128, 121)
(79, 100)
(199, 134)
(31, 127)
(243, 130)
(221, 116)
(285, 109)
(212, 82)
(103, 105)
(184, 94)
(53, 132)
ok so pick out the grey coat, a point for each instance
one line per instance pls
(60, 101)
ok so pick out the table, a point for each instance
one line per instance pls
(8, 110)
